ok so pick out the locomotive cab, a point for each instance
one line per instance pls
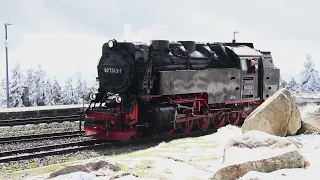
(259, 76)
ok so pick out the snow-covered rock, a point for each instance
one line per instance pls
(278, 115)
(258, 144)
(311, 122)
(292, 159)
(310, 150)
(267, 153)
(98, 168)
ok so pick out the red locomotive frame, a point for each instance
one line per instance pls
(218, 115)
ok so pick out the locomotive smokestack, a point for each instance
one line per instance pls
(160, 45)
(190, 46)
(174, 44)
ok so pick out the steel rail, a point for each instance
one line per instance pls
(87, 145)
(15, 122)
(307, 102)
(35, 137)
(47, 148)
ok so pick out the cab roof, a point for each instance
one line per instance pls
(243, 50)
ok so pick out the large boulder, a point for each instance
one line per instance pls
(311, 123)
(278, 115)
(100, 168)
(259, 151)
(310, 126)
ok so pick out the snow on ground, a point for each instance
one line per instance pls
(77, 176)
(311, 150)
(200, 158)
(198, 162)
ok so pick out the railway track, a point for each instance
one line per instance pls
(303, 103)
(15, 122)
(35, 137)
(36, 152)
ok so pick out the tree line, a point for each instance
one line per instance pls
(34, 88)
(309, 82)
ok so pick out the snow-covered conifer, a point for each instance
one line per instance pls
(292, 85)
(16, 87)
(92, 88)
(40, 81)
(68, 93)
(48, 96)
(56, 91)
(310, 78)
(31, 90)
(94, 85)
(81, 89)
(3, 94)
(283, 83)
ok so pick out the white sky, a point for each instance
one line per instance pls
(67, 36)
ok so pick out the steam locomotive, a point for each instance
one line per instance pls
(165, 87)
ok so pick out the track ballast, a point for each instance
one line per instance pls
(60, 119)
(24, 154)
(36, 137)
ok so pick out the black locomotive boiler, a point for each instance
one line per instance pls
(165, 87)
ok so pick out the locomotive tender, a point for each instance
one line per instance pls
(165, 87)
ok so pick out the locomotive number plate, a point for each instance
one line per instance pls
(248, 87)
(113, 70)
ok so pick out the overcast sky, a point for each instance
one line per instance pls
(66, 35)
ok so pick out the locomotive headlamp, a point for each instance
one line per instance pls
(118, 99)
(112, 43)
(93, 96)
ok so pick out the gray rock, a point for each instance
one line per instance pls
(278, 115)
(259, 151)
(88, 167)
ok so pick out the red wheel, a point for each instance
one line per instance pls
(219, 119)
(203, 123)
(243, 116)
(186, 126)
(234, 118)
(137, 136)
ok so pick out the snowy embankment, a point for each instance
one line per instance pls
(311, 150)
(194, 158)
